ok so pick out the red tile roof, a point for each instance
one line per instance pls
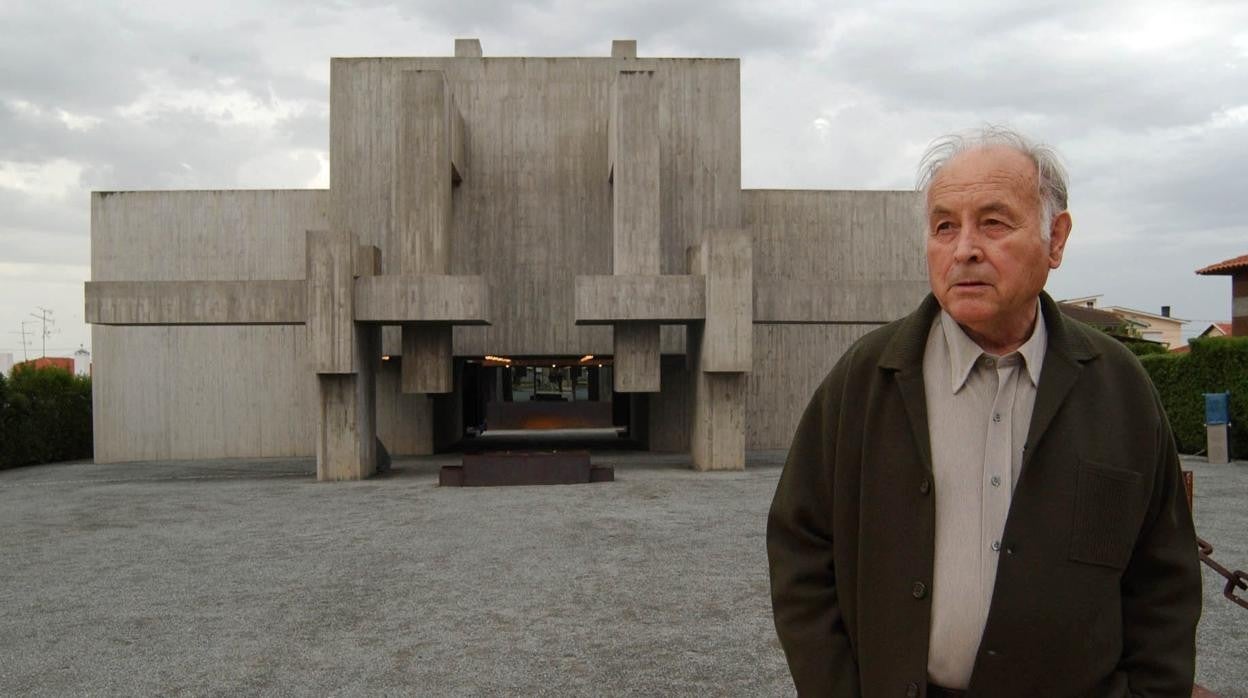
(1226, 267)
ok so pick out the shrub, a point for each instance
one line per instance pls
(1213, 365)
(45, 416)
(1145, 348)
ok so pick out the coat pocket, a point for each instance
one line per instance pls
(1105, 523)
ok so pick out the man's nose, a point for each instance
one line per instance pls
(967, 247)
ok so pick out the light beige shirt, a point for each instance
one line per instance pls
(978, 409)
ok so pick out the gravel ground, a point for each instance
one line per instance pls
(227, 577)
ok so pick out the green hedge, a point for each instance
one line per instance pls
(45, 416)
(1213, 365)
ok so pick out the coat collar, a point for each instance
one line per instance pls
(1068, 349)
(904, 352)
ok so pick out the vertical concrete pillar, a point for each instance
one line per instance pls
(633, 142)
(624, 48)
(467, 48)
(344, 357)
(721, 350)
(422, 203)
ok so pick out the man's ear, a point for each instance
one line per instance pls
(1059, 232)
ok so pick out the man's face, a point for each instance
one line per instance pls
(986, 258)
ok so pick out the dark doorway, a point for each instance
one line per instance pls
(543, 402)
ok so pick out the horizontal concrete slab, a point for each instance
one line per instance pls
(625, 298)
(196, 302)
(778, 301)
(459, 300)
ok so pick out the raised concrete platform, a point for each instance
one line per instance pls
(503, 468)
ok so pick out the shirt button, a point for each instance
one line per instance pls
(996, 417)
(912, 690)
(996, 545)
(925, 486)
(996, 481)
(919, 590)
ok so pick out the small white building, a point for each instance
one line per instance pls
(82, 362)
(6, 363)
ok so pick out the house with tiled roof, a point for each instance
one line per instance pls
(1216, 329)
(1161, 327)
(1237, 269)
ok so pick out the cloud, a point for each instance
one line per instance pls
(1147, 100)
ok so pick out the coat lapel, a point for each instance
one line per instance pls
(1063, 362)
(904, 355)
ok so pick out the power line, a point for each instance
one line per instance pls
(45, 317)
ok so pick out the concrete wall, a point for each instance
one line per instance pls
(534, 207)
(533, 210)
(211, 392)
(817, 240)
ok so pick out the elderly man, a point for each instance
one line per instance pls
(984, 498)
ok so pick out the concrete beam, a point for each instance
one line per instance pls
(195, 302)
(329, 291)
(467, 48)
(636, 362)
(781, 301)
(424, 298)
(725, 262)
(603, 300)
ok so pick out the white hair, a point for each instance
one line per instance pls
(1050, 175)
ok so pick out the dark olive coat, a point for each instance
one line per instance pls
(1098, 587)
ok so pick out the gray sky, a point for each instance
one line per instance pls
(1147, 101)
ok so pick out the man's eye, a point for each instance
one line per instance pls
(944, 227)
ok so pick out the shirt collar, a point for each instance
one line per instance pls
(964, 352)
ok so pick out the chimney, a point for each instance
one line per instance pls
(1165, 311)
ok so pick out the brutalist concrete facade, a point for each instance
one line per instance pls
(489, 206)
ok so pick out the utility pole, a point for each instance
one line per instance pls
(25, 354)
(44, 316)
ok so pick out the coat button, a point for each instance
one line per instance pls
(912, 690)
(919, 590)
(925, 486)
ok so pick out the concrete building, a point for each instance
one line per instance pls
(486, 214)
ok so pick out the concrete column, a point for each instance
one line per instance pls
(467, 48)
(423, 218)
(330, 285)
(636, 357)
(346, 447)
(720, 350)
(344, 356)
(624, 48)
(717, 422)
(633, 145)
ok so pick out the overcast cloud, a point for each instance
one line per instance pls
(1148, 102)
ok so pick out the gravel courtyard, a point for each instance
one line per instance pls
(249, 577)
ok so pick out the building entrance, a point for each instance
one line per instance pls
(543, 402)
